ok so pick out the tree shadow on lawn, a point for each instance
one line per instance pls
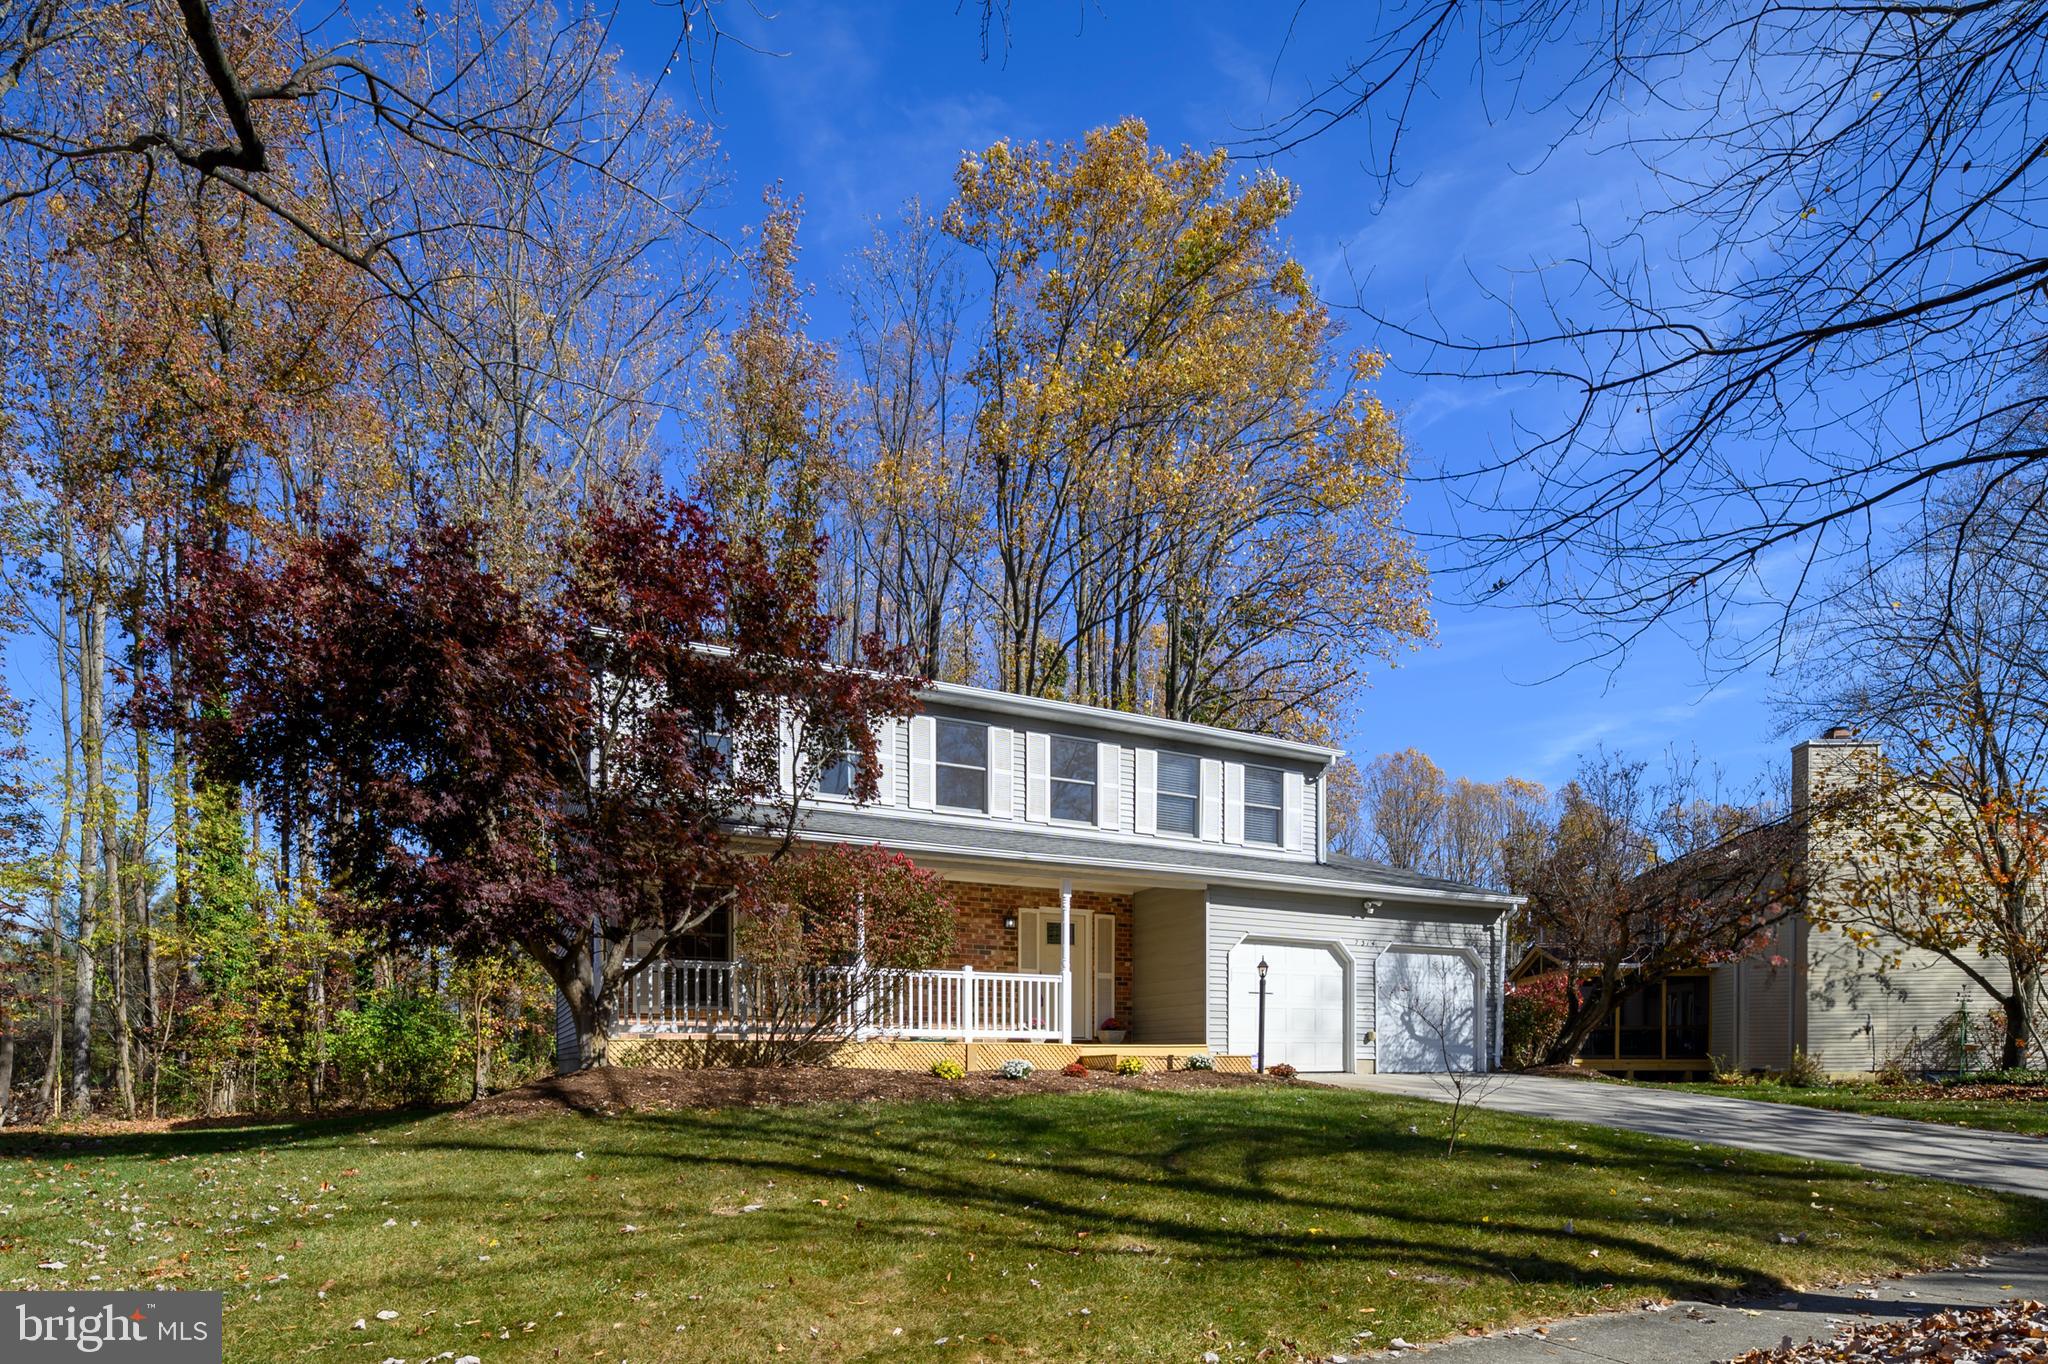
(1168, 1169)
(1198, 1179)
(193, 1137)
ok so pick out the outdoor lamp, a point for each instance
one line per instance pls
(1262, 1015)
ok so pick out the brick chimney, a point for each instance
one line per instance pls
(1837, 758)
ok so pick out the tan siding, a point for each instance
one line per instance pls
(1865, 1006)
(1168, 986)
(1862, 1011)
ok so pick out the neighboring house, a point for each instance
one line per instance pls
(1807, 988)
(1177, 857)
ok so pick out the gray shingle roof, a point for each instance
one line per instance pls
(1172, 861)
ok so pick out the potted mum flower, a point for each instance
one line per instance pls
(1111, 1029)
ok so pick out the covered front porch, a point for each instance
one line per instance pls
(1030, 965)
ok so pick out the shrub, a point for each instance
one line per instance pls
(1283, 1071)
(1130, 1065)
(395, 1048)
(1015, 1069)
(1200, 1060)
(1724, 1074)
(1074, 1068)
(1532, 1017)
(949, 1069)
(1804, 1072)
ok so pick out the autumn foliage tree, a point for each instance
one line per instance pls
(1113, 430)
(1939, 827)
(584, 771)
(1640, 877)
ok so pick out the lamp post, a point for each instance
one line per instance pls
(1262, 1015)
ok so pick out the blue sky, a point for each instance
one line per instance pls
(858, 107)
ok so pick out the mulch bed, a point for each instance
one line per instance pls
(622, 1089)
(1965, 1092)
(2010, 1333)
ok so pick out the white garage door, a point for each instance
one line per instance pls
(1305, 1013)
(1428, 1011)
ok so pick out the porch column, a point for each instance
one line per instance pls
(1066, 960)
(859, 981)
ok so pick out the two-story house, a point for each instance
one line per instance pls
(1110, 866)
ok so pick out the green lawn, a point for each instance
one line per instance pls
(1919, 1104)
(1118, 1225)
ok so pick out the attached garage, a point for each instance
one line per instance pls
(1428, 1010)
(1343, 976)
(1308, 989)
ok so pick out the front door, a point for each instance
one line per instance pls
(1093, 960)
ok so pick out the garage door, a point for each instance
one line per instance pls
(1305, 1007)
(1427, 1004)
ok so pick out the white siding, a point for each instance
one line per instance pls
(1238, 914)
(1018, 781)
(1168, 985)
(1127, 792)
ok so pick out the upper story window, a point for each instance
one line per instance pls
(1073, 779)
(962, 766)
(836, 777)
(1264, 789)
(1179, 794)
(714, 743)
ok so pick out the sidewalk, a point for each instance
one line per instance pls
(1705, 1333)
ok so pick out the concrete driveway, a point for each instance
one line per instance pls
(1993, 1160)
(1708, 1333)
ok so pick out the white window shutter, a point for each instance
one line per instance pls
(1037, 777)
(1146, 806)
(1290, 811)
(787, 733)
(885, 754)
(1233, 802)
(1212, 800)
(1002, 786)
(1108, 763)
(923, 761)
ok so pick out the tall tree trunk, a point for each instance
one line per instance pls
(102, 792)
(92, 732)
(53, 1066)
(6, 1068)
(140, 881)
(2019, 1028)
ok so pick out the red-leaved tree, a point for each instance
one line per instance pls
(586, 769)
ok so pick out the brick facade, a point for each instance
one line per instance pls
(981, 941)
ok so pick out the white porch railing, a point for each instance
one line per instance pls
(723, 998)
